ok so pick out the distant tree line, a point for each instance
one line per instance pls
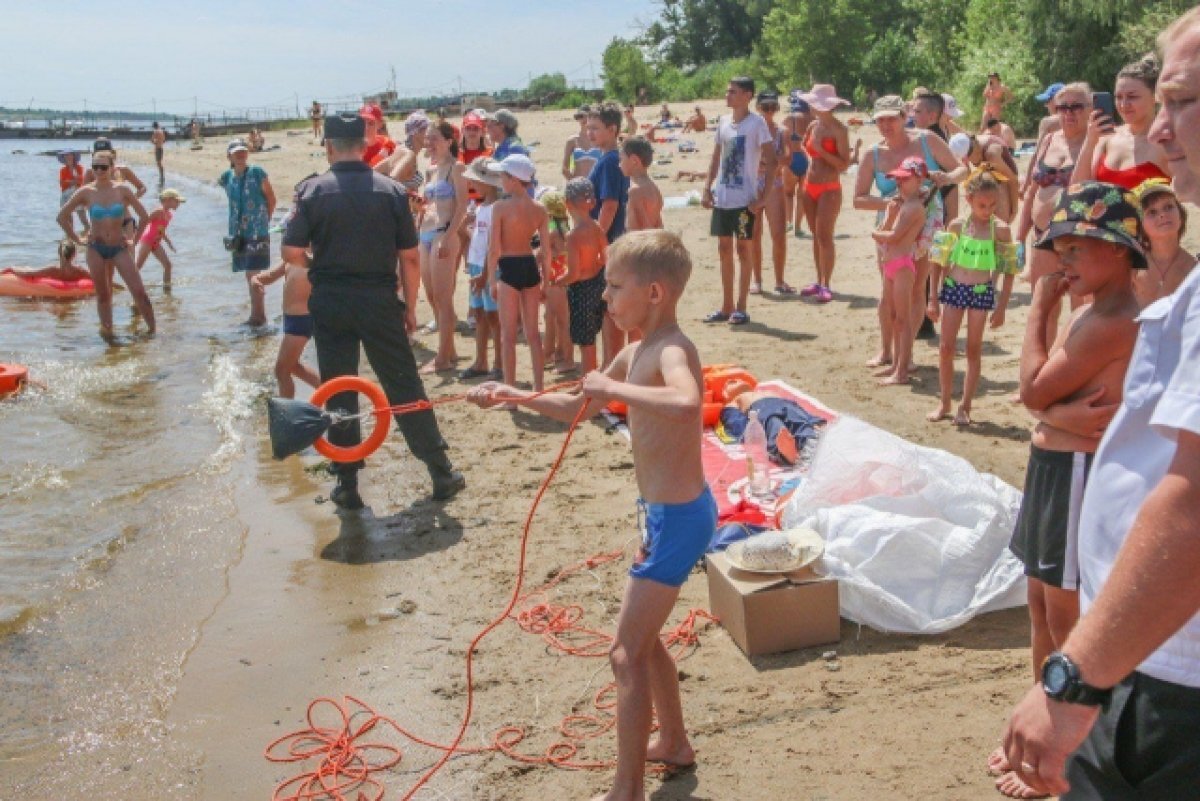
(693, 47)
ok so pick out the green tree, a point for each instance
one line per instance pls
(552, 83)
(691, 33)
(626, 71)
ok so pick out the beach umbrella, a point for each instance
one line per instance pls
(294, 425)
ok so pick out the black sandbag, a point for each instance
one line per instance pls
(294, 425)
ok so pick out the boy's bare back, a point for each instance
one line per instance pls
(517, 219)
(296, 289)
(644, 207)
(666, 450)
(586, 247)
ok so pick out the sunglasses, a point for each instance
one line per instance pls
(1071, 107)
(101, 166)
(769, 106)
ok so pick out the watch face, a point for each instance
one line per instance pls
(1055, 677)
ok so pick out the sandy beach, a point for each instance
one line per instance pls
(382, 606)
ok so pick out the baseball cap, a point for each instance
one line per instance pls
(911, 167)
(1051, 91)
(1098, 211)
(235, 145)
(889, 106)
(472, 120)
(516, 165)
(371, 111)
(345, 126)
(952, 109)
(505, 118)
(415, 123)
(171, 194)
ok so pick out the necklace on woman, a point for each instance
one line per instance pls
(1164, 271)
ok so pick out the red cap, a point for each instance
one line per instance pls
(472, 120)
(911, 167)
(371, 111)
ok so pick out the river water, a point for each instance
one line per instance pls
(117, 517)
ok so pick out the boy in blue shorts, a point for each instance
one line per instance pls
(482, 301)
(659, 379)
(297, 325)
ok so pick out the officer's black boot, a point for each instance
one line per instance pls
(447, 482)
(345, 494)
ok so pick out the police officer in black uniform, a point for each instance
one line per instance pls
(356, 221)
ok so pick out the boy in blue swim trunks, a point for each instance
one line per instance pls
(297, 325)
(659, 380)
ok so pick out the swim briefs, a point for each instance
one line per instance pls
(520, 272)
(674, 538)
(298, 325)
(585, 299)
(980, 297)
(1046, 538)
(480, 300)
(732, 222)
(893, 267)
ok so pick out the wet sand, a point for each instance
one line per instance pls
(316, 604)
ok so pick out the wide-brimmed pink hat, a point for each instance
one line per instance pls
(823, 97)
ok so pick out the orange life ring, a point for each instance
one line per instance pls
(12, 378)
(383, 417)
(717, 380)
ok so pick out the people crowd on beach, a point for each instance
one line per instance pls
(1096, 221)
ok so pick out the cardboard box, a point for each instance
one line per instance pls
(771, 613)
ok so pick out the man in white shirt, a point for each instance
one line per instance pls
(1117, 714)
(743, 141)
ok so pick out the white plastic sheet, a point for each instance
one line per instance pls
(916, 536)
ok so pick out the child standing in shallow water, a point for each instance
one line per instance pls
(897, 240)
(297, 325)
(659, 379)
(156, 233)
(967, 258)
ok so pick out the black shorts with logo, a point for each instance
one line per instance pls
(1046, 539)
(737, 223)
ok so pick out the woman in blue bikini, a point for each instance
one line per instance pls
(107, 203)
(441, 211)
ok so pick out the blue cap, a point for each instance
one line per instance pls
(1051, 91)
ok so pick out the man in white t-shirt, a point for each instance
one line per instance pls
(742, 142)
(1117, 713)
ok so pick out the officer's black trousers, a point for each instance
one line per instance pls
(345, 316)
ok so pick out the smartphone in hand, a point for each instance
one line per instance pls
(1103, 102)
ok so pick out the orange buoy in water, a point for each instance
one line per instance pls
(383, 417)
(12, 378)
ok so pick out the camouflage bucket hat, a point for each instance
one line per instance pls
(1098, 211)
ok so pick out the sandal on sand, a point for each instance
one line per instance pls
(756, 288)
(785, 289)
(810, 290)
(471, 372)
(716, 317)
(739, 318)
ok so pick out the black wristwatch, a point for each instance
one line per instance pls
(1061, 681)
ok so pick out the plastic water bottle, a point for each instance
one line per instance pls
(758, 462)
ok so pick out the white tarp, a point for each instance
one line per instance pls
(917, 538)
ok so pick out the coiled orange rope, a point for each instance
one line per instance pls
(344, 765)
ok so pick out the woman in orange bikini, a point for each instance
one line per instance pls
(1125, 156)
(827, 144)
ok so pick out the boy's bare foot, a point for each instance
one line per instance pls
(674, 760)
(893, 380)
(565, 367)
(886, 368)
(431, 367)
(963, 418)
(997, 762)
(879, 361)
(1011, 785)
(505, 407)
(938, 414)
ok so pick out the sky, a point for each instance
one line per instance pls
(263, 53)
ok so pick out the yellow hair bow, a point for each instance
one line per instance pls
(986, 168)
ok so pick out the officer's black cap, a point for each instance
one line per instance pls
(346, 125)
